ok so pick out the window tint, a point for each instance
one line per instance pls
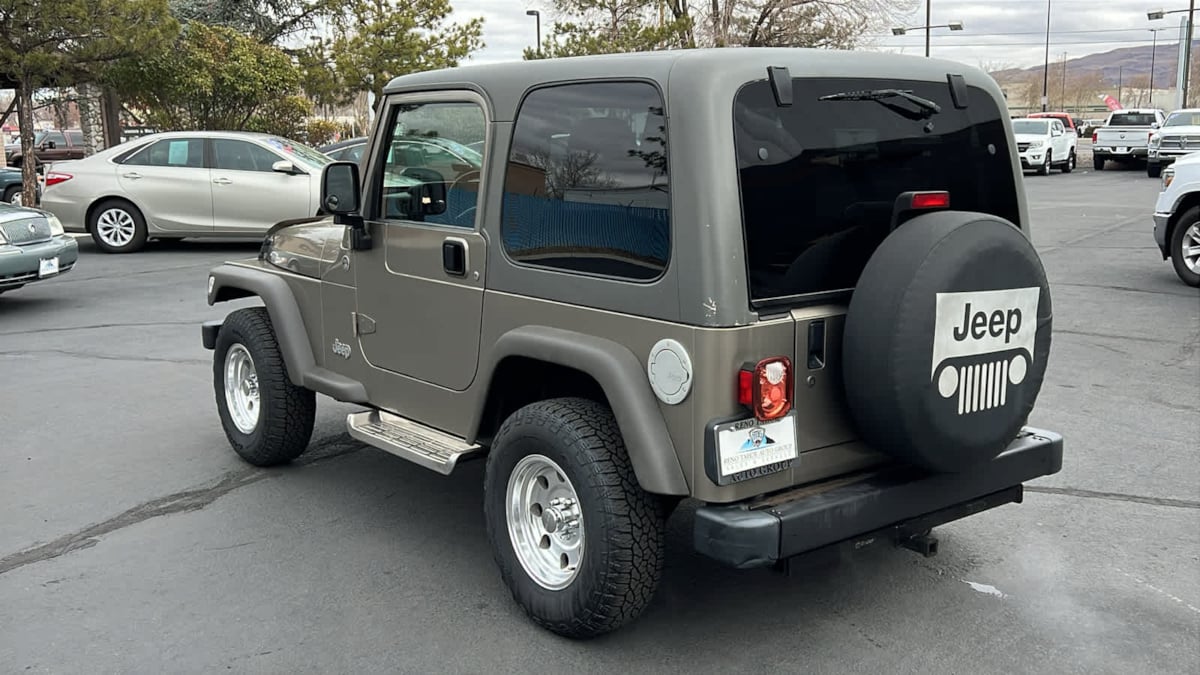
(1132, 119)
(186, 152)
(242, 156)
(819, 179)
(586, 188)
(429, 175)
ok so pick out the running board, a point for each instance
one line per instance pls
(410, 440)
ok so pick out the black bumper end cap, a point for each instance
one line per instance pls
(208, 333)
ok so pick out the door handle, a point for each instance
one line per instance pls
(816, 344)
(454, 257)
(222, 181)
(131, 175)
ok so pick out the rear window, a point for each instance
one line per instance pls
(819, 179)
(1132, 120)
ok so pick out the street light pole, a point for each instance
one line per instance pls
(1064, 82)
(1153, 52)
(538, 15)
(1046, 68)
(927, 26)
(1187, 52)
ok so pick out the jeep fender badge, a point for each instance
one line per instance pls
(669, 369)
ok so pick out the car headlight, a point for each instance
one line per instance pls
(1155, 141)
(1168, 175)
(56, 226)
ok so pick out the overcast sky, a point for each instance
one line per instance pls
(1011, 32)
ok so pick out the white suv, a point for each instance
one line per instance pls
(1177, 217)
(1044, 143)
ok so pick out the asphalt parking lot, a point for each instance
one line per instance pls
(133, 540)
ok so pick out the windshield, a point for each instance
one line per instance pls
(1030, 127)
(1183, 119)
(1131, 119)
(300, 151)
(819, 179)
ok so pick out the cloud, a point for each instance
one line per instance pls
(507, 31)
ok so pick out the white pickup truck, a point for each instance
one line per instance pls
(1125, 135)
(1177, 217)
(1177, 137)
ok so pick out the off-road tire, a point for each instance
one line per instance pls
(1097, 163)
(141, 233)
(1184, 222)
(286, 411)
(624, 538)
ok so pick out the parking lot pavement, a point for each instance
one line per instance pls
(133, 540)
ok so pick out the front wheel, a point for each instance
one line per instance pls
(267, 419)
(579, 544)
(13, 195)
(1185, 247)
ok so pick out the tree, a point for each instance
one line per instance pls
(212, 77)
(377, 40)
(613, 26)
(63, 42)
(268, 21)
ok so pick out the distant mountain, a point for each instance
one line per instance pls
(1118, 64)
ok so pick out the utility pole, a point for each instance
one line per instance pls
(1120, 81)
(1187, 52)
(1153, 51)
(1046, 67)
(1064, 82)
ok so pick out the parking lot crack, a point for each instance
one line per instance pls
(1115, 496)
(107, 357)
(179, 502)
(97, 326)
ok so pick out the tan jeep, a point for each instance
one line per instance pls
(796, 286)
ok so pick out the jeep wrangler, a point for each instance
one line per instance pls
(796, 286)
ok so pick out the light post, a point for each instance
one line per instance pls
(1157, 14)
(538, 15)
(1046, 68)
(1064, 82)
(1153, 52)
(953, 25)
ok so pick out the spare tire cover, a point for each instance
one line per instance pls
(946, 340)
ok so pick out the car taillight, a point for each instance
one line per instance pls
(1095, 135)
(55, 177)
(766, 387)
(930, 200)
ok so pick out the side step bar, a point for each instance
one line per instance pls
(410, 440)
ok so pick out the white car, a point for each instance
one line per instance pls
(1177, 217)
(1044, 143)
(185, 184)
(1178, 136)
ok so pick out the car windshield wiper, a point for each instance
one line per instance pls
(928, 107)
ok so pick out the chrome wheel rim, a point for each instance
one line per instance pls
(241, 389)
(115, 227)
(545, 522)
(1189, 248)
(16, 198)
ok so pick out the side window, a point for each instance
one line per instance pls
(76, 137)
(233, 155)
(57, 138)
(179, 152)
(429, 174)
(586, 188)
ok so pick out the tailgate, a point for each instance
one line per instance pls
(820, 395)
(1129, 137)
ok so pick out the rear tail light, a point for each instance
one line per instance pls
(56, 177)
(930, 200)
(1095, 135)
(766, 387)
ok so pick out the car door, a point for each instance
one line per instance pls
(248, 195)
(420, 287)
(168, 181)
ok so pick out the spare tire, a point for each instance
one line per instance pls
(946, 340)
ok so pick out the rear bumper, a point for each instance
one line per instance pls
(1117, 153)
(897, 503)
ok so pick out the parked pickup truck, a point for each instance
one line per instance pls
(1178, 136)
(1125, 136)
(51, 145)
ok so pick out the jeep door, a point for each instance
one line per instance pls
(420, 286)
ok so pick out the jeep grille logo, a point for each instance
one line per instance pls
(983, 341)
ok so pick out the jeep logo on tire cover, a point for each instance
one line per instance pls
(983, 343)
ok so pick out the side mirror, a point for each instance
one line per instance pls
(1154, 125)
(340, 192)
(429, 197)
(284, 166)
(49, 145)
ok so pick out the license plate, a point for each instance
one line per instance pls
(1122, 149)
(748, 445)
(47, 267)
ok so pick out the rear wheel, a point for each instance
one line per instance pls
(117, 227)
(578, 542)
(1069, 165)
(1185, 247)
(13, 195)
(1044, 169)
(1098, 163)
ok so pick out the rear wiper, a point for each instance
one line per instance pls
(928, 106)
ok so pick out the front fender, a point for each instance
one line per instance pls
(230, 282)
(622, 377)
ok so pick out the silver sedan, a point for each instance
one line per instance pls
(185, 184)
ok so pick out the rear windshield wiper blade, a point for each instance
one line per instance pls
(883, 94)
